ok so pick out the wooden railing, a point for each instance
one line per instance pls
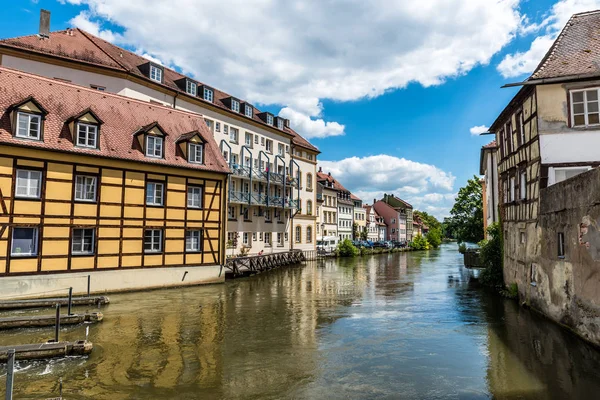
(244, 266)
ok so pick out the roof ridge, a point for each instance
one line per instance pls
(87, 36)
(579, 14)
(107, 94)
(26, 36)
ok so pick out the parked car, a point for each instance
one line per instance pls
(379, 245)
(399, 245)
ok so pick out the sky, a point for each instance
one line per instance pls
(393, 93)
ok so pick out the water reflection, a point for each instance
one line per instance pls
(414, 325)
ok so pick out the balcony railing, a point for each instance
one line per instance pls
(260, 199)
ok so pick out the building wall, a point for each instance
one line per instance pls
(360, 218)
(329, 213)
(491, 188)
(391, 218)
(566, 288)
(118, 217)
(345, 219)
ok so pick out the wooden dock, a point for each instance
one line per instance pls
(245, 266)
(47, 350)
(30, 321)
(52, 302)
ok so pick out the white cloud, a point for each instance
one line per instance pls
(425, 186)
(83, 21)
(311, 128)
(296, 54)
(520, 63)
(478, 130)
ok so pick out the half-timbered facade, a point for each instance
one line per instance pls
(97, 183)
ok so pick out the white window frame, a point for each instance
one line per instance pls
(191, 87)
(29, 117)
(89, 130)
(156, 242)
(29, 174)
(280, 123)
(235, 105)
(82, 182)
(35, 240)
(193, 241)
(269, 146)
(193, 153)
(208, 94)
(158, 143)
(234, 135)
(269, 119)
(156, 73)
(194, 196)
(552, 172)
(153, 187)
(217, 126)
(81, 250)
(585, 106)
(248, 139)
(523, 185)
(248, 111)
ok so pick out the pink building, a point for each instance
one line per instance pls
(394, 219)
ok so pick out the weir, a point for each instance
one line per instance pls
(245, 266)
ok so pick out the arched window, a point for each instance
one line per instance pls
(309, 207)
(309, 234)
(309, 181)
(298, 234)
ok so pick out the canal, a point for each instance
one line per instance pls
(409, 325)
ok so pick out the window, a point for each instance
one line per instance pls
(195, 153)
(522, 237)
(279, 239)
(193, 241)
(255, 139)
(87, 135)
(269, 145)
(209, 123)
(248, 139)
(512, 189)
(98, 87)
(268, 239)
(309, 207)
(208, 94)
(29, 183)
(269, 119)
(154, 194)
(280, 149)
(29, 126)
(154, 146)
(523, 185)
(191, 88)
(233, 135)
(268, 215)
(153, 241)
(218, 126)
(309, 234)
(254, 236)
(248, 111)
(584, 107)
(521, 128)
(560, 174)
(231, 212)
(279, 123)
(155, 73)
(85, 188)
(561, 245)
(308, 181)
(24, 242)
(298, 234)
(194, 197)
(235, 105)
(246, 238)
(262, 141)
(83, 241)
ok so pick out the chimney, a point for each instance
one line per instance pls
(329, 173)
(320, 169)
(374, 201)
(44, 23)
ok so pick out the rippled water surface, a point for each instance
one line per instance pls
(410, 325)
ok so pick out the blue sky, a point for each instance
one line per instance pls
(388, 92)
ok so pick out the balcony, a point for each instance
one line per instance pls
(239, 197)
(260, 199)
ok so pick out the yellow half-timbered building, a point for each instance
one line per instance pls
(97, 184)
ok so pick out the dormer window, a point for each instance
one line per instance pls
(280, 123)
(191, 88)
(154, 146)
(208, 94)
(29, 126)
(87, 135)
(235, 105)
(270, 119)
(156, 73)
(248, 111)
(196, 153)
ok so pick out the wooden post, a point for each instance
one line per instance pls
(10, 374)
(70, 300)
(57, 325)
(89, 284)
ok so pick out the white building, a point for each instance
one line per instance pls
(271, 192)
(488, 167)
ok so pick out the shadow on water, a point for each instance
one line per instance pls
(409, 325)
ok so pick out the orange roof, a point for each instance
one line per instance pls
(122, 118)
(83, 47)
(322, 177)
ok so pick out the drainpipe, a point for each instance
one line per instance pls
(175, 99)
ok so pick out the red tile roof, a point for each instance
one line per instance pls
(491, 145)
(122, 117)
(322, 177)
(576, 51)
(353, 197)
(81, 46)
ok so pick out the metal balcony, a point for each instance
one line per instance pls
(239, 197)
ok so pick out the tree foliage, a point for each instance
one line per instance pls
(491, 257)
(466, 222)
(347, 249)
(419, 243)
(434, 237)
(428, 220)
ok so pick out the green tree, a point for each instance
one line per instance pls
(355, 232)
(419, 243)
(467, 213)
(434, 237)
(491, 258)
(429, 220)
(347, 249)
(364, 234)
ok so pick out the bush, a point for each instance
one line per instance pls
(419, 243)
(462, 248)
(434, 237)
(491, 258)
(347, 249)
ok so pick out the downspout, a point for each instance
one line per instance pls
(175, 99)
(292, 161)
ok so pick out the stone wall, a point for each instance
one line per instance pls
(567, 288)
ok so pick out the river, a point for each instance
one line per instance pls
(405, 325)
